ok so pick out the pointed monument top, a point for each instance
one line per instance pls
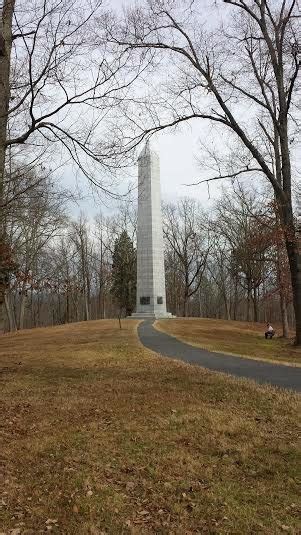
(147, 150)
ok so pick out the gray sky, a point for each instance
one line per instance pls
(178, 164)
(177, 151)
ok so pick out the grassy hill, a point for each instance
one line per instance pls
(101, 436)
(234, 337)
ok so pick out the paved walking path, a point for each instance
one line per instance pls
(260, 371)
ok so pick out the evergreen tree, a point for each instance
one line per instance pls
(124, 273)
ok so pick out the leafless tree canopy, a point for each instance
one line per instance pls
(63, 83)
(238, 72)
(229, 263)
(59, 87)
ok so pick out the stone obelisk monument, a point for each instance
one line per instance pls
(151, 295)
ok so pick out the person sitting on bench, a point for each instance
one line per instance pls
(269, 332)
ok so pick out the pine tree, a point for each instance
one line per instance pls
(124, 273)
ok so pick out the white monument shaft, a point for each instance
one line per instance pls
(151, 295)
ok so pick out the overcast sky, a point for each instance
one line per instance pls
(177, 151)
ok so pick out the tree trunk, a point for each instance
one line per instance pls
(87, 315)
(292, 235)
(284, 317)
(228, 315)
(100, 301)
(235, 299)
(282, 294)
(248, 304)
(32, 312)
(293, 247)
(6, 41)
(22, 310)
(38, 314)
(77, 311)
(226, 303)
(9, 312)
(200, 302)
(295, 269)
(101, 277)
(67, 306)
(255, 305)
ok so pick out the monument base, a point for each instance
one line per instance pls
(150, 316)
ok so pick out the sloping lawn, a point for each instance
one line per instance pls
(234, 337)
(100, 436)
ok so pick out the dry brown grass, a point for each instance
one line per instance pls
(102, 436)
(233, 337)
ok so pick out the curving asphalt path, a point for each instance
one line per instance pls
(263, 372)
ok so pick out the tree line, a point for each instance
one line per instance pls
(227, 262)
(87, 86)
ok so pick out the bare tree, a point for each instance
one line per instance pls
(245, 233)
(186, 235)
(219, 268)
(56, 74)
(58, 86)
(240, 76)
(84, 248)
(30, 227)
(246, 228)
